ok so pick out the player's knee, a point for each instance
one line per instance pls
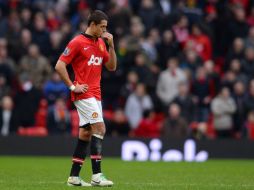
(100, 132)
(99, 129)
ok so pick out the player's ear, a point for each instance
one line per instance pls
(92, 23)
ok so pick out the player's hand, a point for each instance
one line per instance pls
(109, 38)
(81, 88)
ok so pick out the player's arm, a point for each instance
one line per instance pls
(62, 71)
(112, 63)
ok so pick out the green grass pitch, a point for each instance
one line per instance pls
(50, 173)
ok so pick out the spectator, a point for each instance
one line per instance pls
(7, 65)
(58, 119)
(190, 61)
(148, 46)
(236, 52)
(24, 43)
(5, 89)
(248, 62)
(239, 94)
(56, 46)
(13, 33)
(201, 90)
(237, 68)
(199, 42)
(249, 40)
(168, 82)
(148, 126)
(229, 79)
(26, 102)
(136, 103)
(249, 99)
(118, 126)
(55, 88)
(213, 76)
(142, 68)
(223, 108)
(129, 86)
(181, 29)
(237, 27)
(52, 22)
(7, 117)
(250, 125)
(26, 18)
(167, 48)
(136, 32)
(40, 34)
(149, 14)
(41, 68)
(186, 102)
(119, 20)
(174, 125)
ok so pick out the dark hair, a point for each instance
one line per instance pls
(97, 16)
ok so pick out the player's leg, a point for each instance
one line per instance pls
(90, 111)
(79, 156)
(80, 150)
(81, 147)
(98, 131)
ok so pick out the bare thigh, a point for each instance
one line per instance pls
(98, 128)
(85, 133)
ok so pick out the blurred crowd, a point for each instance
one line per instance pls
(185, 67)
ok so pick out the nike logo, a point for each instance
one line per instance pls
(85, 48)
(97, 182)
(79, 184)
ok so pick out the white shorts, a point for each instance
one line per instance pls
(89, 111)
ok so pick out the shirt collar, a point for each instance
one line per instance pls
(89, 36)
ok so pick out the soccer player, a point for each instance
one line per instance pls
(87, 53)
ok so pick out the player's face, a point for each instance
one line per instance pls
(100, 28)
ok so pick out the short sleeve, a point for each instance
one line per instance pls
(70, 52)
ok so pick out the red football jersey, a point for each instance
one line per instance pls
(86, 55)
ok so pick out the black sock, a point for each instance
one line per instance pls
(96, 149)
(78, 157)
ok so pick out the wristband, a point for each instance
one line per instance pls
(72, 87)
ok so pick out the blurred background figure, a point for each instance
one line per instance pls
(201, 90)
(136, 104)
(186, 102)
(58, 118)
(119, 125)
(129, 86)
(250, 126)
(239, 94)
(55, 88)
(41, 68)
(223, 107)
(26, 102)
(7, 117)
(174, 125)
(169, 79)
(148, 126)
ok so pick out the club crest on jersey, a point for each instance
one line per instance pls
(95, 60)
(66, 51)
